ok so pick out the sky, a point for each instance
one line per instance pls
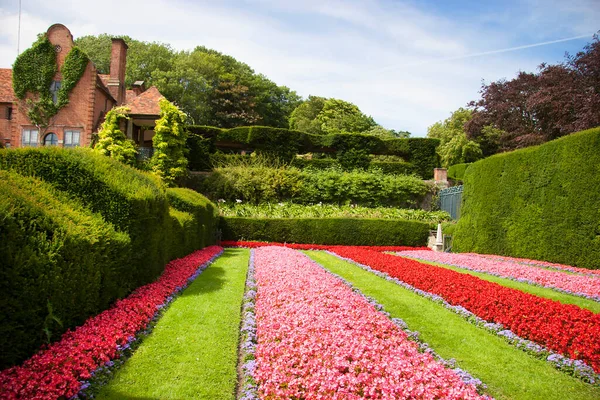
(408, 64)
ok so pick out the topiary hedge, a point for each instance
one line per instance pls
(285, 143)
(133, 201)
(348, 231)
(204, 212)
(540, 202)
(59, 264)
(457, 171)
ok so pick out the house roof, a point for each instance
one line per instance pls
(129, 96)
(146, 103)
(7, 95)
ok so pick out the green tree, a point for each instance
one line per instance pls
(112, 142)
(304, 116)
(339, 116)
(455, 147)
(169, 142)
(383, 133)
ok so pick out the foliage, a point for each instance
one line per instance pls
(169, 142)
(339, 116)
(264, 184)
(383, 133)
(204, 213)
(539, 203)
(348, 231)
(33, 73)
(210, 87)
(457, 171)
(291, 210)
(304, 117)
(454, 146)
(534, 108)
(112, 142)
(60, 262)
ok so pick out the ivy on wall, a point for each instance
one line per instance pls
(34, 71)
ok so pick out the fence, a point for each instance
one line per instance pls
(450, 200)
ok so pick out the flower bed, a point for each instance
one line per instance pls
(62, 369)
(298, 246)
(543, 264)
(578, 285)
(563, 328)
(318, 339)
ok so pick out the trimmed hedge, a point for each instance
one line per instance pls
(133, 201)
(347, 231)
(285, 143)
(457, 171)
(57, 259)
(203, 211)
(540, 202)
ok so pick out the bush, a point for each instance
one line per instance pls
(133, 201)
(273, 185)
(183, 233)
(59, 264)
(347, 231)
(200, 151)
(396, 168)
(540, 202)
(204, 213)
(457, 171)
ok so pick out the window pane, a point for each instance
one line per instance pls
(25, 139)
(76, 138)
(68, 138)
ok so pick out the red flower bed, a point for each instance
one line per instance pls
(57, 371)
(297, 246)
(563, 328)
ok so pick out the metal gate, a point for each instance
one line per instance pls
(450, 200)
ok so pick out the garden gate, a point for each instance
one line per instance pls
(450, 200)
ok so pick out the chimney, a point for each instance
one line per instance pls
(138, 87)
(118, 60)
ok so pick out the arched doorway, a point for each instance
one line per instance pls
(51, 139)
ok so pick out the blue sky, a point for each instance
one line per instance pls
(408, 64)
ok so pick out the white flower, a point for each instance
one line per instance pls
(281, 204)
(221, 200)
(238, 201)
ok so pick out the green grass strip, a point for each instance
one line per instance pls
(509, 373)
(564, 298)
(192, 352)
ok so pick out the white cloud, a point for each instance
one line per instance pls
(399, 63)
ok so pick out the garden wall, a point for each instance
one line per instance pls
(540, 202)
(345, 231)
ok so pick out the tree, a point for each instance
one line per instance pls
(339, 116)
(169, 142)
(112, 142)
(383, 133)
(304, 116)
(455, 147)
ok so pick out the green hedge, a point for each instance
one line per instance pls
(348, 231)
(457, 171)
(133, 201)
(205, 214)
(53, 253)
(285, 143)
(540, 202)
(272, 185)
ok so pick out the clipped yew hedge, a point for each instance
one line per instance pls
(540, 203)
(59, 264)
(286, 143)
(346, 231)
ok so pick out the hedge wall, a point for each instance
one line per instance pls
(541, 203)
(203, 211)
(457, 171)
(133, 201)
(348, 231)
(285, 143)
(56, 259)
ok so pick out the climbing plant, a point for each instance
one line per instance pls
(169, 142)
(112, 142)
(34, 71)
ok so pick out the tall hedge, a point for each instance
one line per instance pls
(133, 201)
(285, 143)
(204, 212)
(541, 202)
(348, 231)
(59, 264)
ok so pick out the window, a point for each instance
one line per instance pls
(71, 138)
(51, 139)
(9, 113)
(30, 137)
(54, 88)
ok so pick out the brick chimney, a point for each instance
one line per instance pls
(118, 60)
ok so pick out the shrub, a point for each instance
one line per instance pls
(133, 201)
(200, 150)
(183, 233)
(540, 203)
(169, 142)
(263, 184)
(112, 141)
(397, 168)
(60, 263)
(347, 231)
(457, 171)
(204, 212)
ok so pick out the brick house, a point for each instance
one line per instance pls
(90, 99)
